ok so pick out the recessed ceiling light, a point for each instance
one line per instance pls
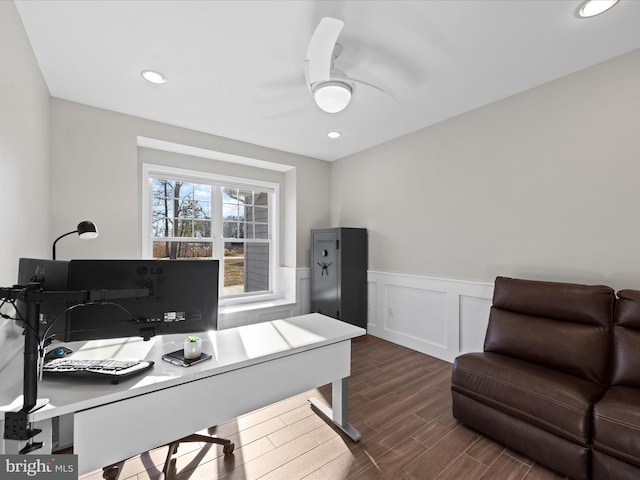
(591, 8)
(334, 134)
(154, 77)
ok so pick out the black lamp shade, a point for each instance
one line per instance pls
(87, 230)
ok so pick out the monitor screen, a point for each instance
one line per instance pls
(183, 298)
(52, 275)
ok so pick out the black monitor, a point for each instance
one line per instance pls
(183, 298)
(52, 275)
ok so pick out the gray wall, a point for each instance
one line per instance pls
(24, 162)
(24, 149)
(544, 184)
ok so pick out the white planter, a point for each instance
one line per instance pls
(192, 349)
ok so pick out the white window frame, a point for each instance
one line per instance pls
(150, 171)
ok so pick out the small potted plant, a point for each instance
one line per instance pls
(192, 347)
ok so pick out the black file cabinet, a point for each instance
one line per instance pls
(339, 262)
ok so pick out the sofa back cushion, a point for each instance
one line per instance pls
(625, 368)
(562, 326)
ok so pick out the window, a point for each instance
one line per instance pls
(188, 214)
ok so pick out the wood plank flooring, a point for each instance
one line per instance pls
(399, 400)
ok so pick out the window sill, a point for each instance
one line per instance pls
(251, 306)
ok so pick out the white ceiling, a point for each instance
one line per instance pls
(235, 66)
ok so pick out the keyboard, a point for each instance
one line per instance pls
(114, 370)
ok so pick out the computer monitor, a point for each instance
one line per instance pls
(183, 298)
(51, 275)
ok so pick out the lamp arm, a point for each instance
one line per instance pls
(56, 241)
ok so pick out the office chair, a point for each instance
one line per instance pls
(168, 472)
(112, 472)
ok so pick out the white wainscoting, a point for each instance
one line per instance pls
(440, 317)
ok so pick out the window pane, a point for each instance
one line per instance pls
(247, 212)
(202, 229)
(162, 227)
(261, 198)
(246, 267)
(184, 228)
(162, 207)
(162, 188)
(245, 196)
(202, 193)
(230, 211)
(232, 230)
(230, 195)
(185, 200)
(261, 231)
(261, 214)
(173, 250)
(183, 190)
(204, 210)
(233, 268)
(256, 257)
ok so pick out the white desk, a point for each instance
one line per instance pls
(253, 366)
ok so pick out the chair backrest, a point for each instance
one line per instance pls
(562, 326)
(625, 368)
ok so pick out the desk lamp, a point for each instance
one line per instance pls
(86, 229)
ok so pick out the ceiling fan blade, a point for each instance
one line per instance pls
(289, 113)
(362, 82)
(320, 49)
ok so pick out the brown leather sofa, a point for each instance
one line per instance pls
(616, 424)
(543, 384)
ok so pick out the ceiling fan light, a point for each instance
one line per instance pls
(332, 97)
(591, 8)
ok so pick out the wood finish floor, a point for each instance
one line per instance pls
(399, 400)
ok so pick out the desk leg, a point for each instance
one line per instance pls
(339, 413)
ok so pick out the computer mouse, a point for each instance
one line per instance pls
(57, 352)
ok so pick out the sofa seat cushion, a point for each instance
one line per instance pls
(616, 424)
(557, 402)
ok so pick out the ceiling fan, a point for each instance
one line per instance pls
(331, 88)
